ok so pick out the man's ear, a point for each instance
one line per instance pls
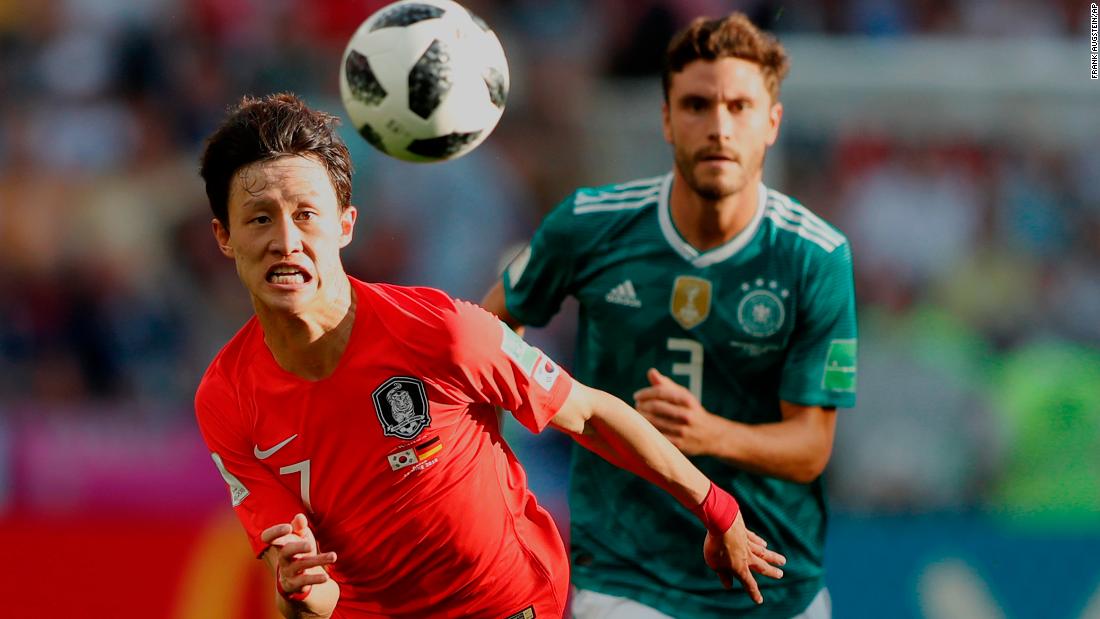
(775, 117)
(347, 225)
(221, 235)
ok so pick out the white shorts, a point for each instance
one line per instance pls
(593, 605)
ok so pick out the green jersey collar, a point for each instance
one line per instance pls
(711, 256)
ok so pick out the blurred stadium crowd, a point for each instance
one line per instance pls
(978, 261)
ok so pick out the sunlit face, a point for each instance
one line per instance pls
(285, 233)
(720, 120)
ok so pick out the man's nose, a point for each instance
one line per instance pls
(287, 237)
(721, 124)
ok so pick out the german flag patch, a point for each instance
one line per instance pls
(428, 448)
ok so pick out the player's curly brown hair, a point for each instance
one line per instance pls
(732, 36)
(262, 129)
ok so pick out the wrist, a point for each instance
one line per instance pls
(718, 510)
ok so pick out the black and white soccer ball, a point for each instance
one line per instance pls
(424, 80)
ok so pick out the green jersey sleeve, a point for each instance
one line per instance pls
(541, 276)
(820, 369)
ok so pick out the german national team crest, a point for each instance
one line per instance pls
(761, 311)
(690, 303)
(402, 407)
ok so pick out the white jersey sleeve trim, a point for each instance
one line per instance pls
(796, 218)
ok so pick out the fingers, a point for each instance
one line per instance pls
(764, 568)
(294, 531)
(297, 566)
(270, 534)
(769, 556)
(669, 410)
(667, 427)
(297, 563)
(672, 393)
(726, 578)
(756, 539)
(656, 378)
(745, 576)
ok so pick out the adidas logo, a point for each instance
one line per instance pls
(624, 294)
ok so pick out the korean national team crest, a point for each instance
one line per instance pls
(690, 303)
(402, 407)
(761, 311)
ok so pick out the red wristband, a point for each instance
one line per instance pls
(294, 597)
(717, 511)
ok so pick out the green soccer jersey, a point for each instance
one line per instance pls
(768, 316)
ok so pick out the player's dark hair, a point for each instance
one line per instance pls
(732, 36)
(271, 127)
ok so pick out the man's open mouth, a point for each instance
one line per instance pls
(287, 275)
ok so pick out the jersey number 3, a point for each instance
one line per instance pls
(693, 369)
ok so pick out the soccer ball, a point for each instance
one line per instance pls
(424, 80)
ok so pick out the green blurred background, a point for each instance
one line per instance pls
(956, 143)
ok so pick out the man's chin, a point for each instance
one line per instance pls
(290, 301)
(719, 185)
(716, 189)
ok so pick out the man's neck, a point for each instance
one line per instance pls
(310, 345)
(706, 224)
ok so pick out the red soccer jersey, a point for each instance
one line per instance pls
(397, 458)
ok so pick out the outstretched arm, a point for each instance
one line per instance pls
(612, 429)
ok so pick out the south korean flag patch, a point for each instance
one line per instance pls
(546, 373)
(401, 404)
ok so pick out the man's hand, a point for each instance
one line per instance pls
(737, 554)
(298, 565)
(673, 410)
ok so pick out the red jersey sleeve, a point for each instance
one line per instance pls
(257, 497)
(498, 366)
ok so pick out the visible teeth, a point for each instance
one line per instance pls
(285, 278)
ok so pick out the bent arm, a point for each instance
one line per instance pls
(796, 448)
(616, 432)
(302, 584)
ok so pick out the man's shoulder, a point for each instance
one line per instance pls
(797, 225)
(618, 199)
(591, 216)
(417, 305)
(232, 357)
(426, 326)
(217, 391)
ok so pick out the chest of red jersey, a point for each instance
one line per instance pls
(368, 435)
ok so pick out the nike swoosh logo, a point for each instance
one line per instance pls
(263, 454)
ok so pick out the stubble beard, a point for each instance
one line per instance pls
(719, 187)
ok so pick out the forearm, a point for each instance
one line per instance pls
(784, 449)
(617, 433)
